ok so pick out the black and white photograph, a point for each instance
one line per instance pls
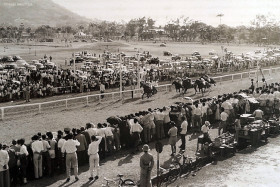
(151, 93)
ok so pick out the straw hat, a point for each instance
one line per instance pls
(207, 123)
(146, 148)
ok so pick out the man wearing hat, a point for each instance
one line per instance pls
(70, 148)
(146, 165)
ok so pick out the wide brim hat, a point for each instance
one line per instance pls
(146, 148)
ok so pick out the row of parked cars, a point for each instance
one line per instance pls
(16, 63)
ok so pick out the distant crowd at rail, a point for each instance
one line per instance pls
(18, 85)
(39, 84)
(46, 154)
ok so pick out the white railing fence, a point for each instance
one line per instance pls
(114, 96)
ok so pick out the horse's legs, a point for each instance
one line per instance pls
(143, 95)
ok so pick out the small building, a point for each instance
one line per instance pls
(82, 35)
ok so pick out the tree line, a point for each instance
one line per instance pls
(262, 30)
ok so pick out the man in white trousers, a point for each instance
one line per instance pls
(94, 156)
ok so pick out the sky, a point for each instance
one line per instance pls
(236, 12)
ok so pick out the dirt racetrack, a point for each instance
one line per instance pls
(27, 124)
(122, 162)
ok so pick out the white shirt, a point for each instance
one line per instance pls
(204, 109)
(70, 146)
(270, 97)
(166, 115)
(205, 129)
(37, 146)
(91, 131)
(135, 127)
(108, 131)
(93, 147)
(159, 116)
(46, 145)
(102, 87)
(4, 159)
(258, 113)
(184, 127)
(197, 111)
(60, 142)
(226, 105)
(23, 150)
(263, 97)
(224, 116)
(277, 94)
(100, 132)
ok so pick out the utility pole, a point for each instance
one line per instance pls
(121, 78)
(35, 45)
(138, 72)
(74, 64)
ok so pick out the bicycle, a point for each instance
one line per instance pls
(169, 175)
(119, 181)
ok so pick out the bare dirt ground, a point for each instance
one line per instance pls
(250, 167)
(122, 162)
(59, 52)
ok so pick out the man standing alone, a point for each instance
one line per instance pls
(146, 165)
(94, 156)
(70, 147)
(183, 133)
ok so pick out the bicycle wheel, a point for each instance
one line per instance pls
(128, 182)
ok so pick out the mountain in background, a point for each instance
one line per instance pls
(37, 12)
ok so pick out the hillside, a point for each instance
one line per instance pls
(37, 12)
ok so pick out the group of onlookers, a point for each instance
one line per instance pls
(49, 153)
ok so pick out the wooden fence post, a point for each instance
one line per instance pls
(66, 103)
(87, 100)
(40, 108)
(2, 113)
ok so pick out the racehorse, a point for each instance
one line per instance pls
(186, 84)
(209, 79)
(147, 89)
(178, 85)
(202, 86)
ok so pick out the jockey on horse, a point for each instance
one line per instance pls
(208, 79)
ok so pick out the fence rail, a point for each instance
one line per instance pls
(115, 95)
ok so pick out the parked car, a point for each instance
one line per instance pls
(167, 53)
(15, 58)
(7, 59)
(11, 66)
(176, 57)
(21, 63)
(32, 67)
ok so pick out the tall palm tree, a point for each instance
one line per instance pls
(220, 15)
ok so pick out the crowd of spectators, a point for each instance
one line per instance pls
(25, 84)
(45, 155)
(15, 85)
